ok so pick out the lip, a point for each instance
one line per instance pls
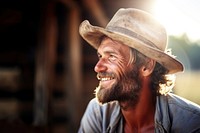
(106, 83)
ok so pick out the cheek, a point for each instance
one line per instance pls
(121, 69)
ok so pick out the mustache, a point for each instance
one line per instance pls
(105, 75)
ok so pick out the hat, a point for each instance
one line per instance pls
(137, 29)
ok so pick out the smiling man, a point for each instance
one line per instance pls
(116, 74)
(136, 76)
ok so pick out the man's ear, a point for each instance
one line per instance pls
(147, 69)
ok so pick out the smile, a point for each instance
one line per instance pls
(105, 76)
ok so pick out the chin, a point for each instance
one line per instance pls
(103, 95)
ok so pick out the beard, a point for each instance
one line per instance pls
(125, 89)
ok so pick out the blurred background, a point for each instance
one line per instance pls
(46, 68)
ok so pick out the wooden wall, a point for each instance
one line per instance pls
(46, 69)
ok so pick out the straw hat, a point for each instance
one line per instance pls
(137, 29)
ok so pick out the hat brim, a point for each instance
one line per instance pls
(93, 34)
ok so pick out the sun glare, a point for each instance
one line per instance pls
(179, 17)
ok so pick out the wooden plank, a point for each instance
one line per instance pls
(74, 66)
(45, 62)
(95, 8)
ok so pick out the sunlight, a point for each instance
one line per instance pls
(179, 17)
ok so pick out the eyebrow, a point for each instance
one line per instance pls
(109, 51)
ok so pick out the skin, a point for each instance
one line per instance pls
(117, 83)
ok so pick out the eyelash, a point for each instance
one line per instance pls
(111, 57)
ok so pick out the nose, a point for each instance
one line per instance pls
(100, 66)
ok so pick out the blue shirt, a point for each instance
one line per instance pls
(173, 115)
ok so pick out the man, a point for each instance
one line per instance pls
(136, 75)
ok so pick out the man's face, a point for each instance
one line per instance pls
(118, 79)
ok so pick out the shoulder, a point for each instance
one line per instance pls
(97, 117)
(183, 113)
(183, 104)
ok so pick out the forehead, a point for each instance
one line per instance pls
(109, 44)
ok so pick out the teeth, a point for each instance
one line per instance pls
(105, 79)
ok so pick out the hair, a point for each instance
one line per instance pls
(161, 82)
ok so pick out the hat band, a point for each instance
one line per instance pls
(132, 34)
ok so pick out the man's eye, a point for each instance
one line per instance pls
(112, 57)
(99, 56)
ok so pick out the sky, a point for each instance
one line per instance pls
(179, 16)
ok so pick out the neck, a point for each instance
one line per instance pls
(141, 116)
